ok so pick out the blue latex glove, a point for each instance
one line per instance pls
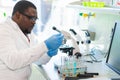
(52, 52)
(54, 41)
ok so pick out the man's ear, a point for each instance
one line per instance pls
(18, 15)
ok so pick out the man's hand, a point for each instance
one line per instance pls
(52, 52)
(54, 41)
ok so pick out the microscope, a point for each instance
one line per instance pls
(73, 65)
(74, 50)
(85, 40)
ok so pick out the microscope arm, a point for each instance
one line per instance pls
(75, 45)
(79, 38)
(74, 42)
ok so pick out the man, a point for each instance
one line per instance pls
(16, 54)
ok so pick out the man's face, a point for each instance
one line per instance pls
(28, 20)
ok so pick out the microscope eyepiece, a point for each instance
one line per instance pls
(54, 28)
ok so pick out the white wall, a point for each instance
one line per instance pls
(6, 8)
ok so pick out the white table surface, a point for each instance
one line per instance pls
(105, 73)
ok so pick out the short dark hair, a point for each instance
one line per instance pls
(22, 5)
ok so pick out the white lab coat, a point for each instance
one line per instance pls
(16, 54)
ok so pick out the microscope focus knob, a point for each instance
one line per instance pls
(88, 41)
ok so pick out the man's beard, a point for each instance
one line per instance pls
(26, 32)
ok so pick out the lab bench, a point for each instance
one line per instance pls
(48, 71)
(37, 73)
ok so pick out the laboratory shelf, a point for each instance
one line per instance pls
(107, 10)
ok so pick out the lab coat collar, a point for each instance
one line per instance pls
(16, 27)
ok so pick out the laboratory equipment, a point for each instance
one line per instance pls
(67, 36)
(113, 58)
(72, 64)
(86, 41)
(93, 4)
(68, 50)
(79, 38)
(87, 14)
(54, 28)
